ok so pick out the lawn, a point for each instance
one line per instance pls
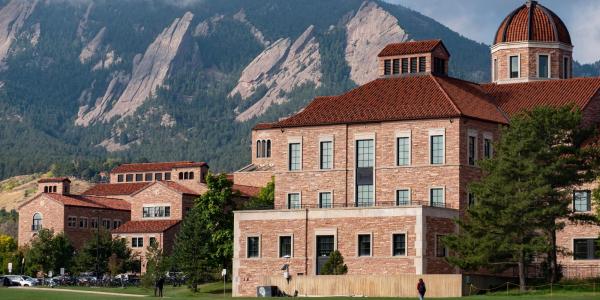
(215, 291)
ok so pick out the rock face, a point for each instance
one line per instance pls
(149, 73)
(12, 18)
(280, 68)
(367, 33)
(90, 49)
(85, 116)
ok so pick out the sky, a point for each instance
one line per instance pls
(479, 19)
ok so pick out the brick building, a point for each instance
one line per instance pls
(380, 172)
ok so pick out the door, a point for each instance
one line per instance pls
(324, 249)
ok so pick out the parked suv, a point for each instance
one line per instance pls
(22, 280)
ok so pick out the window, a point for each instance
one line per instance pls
(365, 153)
(387, 67)
(472, 150)
(471, 199)
(514, 67)
(543, 66)
(404, 65)
(584, 249)
(566, 67)
(264, 148)
(106, 224)
(365, 162)
(72, 222)
(129, 177)
(116, 224)
(83, 222)
(487, 148)
(268, 148)
(439, 65)
(402, 197)
(294, 201)
(436, 197)
(437, 149)
(94, 223)
(403, 151)
(45, 189)
(422, 64)
(168, 176)
(139, 177)
(54, 189)
(325, 200)
(396, 66)
(37, 222)
(191, 175)
(148, 177)
(495, 66)
(156, 211)
(581, 201)
(285, 246)
(295, 157)
(120, 178)
(137, 242)
(326, 155)
(364, 196)
(258, 149)
(364, 245)
(440, 249)
(158, 176)
(152, 242)
(399, 244)
(413, 64)
(253, 247)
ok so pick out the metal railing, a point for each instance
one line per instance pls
(355, 205)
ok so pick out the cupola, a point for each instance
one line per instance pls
(416, 57)
(61, 185)
(532, 43)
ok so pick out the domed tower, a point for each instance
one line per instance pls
(532, 43)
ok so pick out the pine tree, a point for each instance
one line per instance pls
(335, 265)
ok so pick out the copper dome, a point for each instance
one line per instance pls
(532, 22)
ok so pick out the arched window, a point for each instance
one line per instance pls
(191, 175)
(180, 175)
(54, 189)
(185, 175)
(264, 148)
(268, 148)
(258, 149)
(37, 222)
(45, 189)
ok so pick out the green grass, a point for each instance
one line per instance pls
(215, 291)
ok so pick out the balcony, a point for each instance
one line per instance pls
(377, 204)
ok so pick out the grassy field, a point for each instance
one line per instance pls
(215, 291)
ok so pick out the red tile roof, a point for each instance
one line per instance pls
(532, 22)
(179, 188)
(246, 190)
(90, 201)
(399, 98)
(408, 48)
(149, 226)
(112, 189)
(161, 166)
(56, 179)
(518, 97)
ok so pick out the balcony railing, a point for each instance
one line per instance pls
(356, 205)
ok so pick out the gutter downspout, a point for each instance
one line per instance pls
(346, 168)
(306, 241)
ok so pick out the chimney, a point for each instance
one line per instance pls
(414, 58)
(61, 185)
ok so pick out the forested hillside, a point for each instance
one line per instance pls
(90, 82)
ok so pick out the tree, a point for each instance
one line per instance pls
(265, 198)
(335, 265)
(112, 253)
(8, 247)
(157, 264)
(49, 252)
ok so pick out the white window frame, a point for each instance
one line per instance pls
(358, 244)
(259, 245)
(403, 134)
(443, 188)
(279, 236)
(157, 205)
(434, 132)
(519, 67)
(109, 223)
(365, 136)
(76, 224)
(116, 220)
(472, 133)
(327, 138)
(79, 222)
(294, 140)
(405, 243)
(402, 189)
(537, 69)
(319, 197)
(287, 199)
(137, 241)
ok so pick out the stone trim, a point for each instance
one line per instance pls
(432, 132)
(285, 234)
(370, 233)
(537, 66)
(403, 134)
(436, 187)
(405, 244)
(259, 236)
(520, 45)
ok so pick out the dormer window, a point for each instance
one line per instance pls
(387, 67)
(422, 64)
(413, 64)
(543, 66)
(404, 65)
(396, 66)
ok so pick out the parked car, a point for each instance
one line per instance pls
(7, 282)
(22, 280)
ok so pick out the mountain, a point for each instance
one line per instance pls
(134, 80)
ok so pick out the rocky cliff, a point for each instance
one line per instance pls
(12, 19)
(367, 33)
(280, 68)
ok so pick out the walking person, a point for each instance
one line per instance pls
(421, 289)
(160, 284)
